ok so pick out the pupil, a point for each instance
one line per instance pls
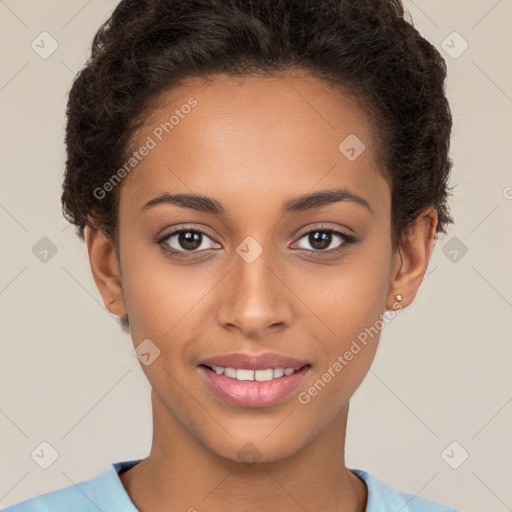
(324, 239)
(189, 239)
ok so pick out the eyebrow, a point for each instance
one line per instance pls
(297, 204)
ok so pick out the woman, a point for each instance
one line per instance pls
(259, 185)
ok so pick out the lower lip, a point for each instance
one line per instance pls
(249, 393)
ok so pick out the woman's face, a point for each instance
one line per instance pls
(267, 276)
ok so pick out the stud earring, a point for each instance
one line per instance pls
(398, 297)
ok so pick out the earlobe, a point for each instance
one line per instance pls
(412, 259)
(105, 269)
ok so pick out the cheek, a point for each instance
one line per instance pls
(161, 296)
(350, 301)
(350, 296)
(147, 289)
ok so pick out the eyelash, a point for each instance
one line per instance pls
(347, 239)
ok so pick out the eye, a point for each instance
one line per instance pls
(322, 238)
(195, 240)
(185, 240)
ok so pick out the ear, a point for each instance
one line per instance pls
(105, 270)
(411, 259)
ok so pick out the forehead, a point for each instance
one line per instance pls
(254, 138)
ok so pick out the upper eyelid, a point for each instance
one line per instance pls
(185, 229)
(321, 228)
(347, 238)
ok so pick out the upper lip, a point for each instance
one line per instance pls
(254, 362)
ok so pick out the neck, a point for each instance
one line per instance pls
(182, 474)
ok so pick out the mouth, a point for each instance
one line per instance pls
(246, 387)
(248, 374)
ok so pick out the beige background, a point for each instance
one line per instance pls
(443, 368)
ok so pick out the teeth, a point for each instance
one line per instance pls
(230, 372)
(262, 375)
(243, 374)
(257, 375)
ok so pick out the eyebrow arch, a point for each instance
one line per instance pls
(297, 204)
(324, 198)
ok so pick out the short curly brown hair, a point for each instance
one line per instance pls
(366, 47)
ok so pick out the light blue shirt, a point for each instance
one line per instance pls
(106, 493)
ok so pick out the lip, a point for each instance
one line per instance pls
(253, 393)
(254, 362)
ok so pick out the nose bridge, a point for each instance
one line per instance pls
(254, 289)
(253, 300)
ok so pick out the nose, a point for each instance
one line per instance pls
(254, 297)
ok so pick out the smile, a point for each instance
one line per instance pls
(253, 388)
(258, 375)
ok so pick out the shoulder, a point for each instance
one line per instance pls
(104, 492)
(382, 498)
(81, 496)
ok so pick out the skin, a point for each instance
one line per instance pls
(252, 144)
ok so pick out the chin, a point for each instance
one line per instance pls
(256, 449)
